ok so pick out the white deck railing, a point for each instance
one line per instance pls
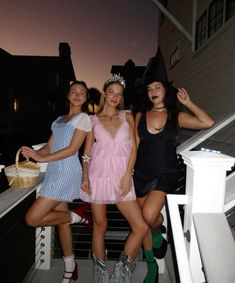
(181, 252)
(206, 185)
(43, 237)
(201, 136)
(216, 245)
(230, 192)
(205, 193)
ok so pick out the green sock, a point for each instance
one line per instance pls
(152, 266)
(149, 255)
(157, 238)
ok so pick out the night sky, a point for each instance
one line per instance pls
(100, 33)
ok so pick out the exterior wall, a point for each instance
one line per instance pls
(17, 243)
(207, 73)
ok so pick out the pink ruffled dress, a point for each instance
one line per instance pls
(109, 160)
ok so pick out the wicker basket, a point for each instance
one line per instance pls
(23, 174)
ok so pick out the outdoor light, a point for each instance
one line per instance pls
(16, 106)
(210, 150)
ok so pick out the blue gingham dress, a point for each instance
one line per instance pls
(63, 177)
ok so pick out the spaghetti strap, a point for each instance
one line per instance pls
(122, 115)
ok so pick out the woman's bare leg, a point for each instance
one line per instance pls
(125, 265)
(100, 270)
(151, 206)
(65, 232)
(132, 212)
(43, 212)
(99, 216)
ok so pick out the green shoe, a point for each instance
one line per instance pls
(161, 251)
(152, 275)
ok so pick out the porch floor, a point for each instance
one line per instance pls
(54, 275)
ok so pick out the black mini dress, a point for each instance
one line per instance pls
(156, 163)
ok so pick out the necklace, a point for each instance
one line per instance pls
(159, 107)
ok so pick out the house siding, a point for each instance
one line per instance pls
(207, 73)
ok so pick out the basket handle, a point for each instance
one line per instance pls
(17, 158)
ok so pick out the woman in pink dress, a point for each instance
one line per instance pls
(108, 161)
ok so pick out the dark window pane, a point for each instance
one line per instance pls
(230, 9)
(215, 20)
(201, 31)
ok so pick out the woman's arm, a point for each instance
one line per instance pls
(75, 144)
(86, 158)
(199, 119)
(132, 158)
(137, 118)
(46, 148)
(127, 178)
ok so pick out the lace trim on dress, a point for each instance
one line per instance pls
(121, 115)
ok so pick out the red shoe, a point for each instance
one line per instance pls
(71, 274)
(84, 207)
(81, 211)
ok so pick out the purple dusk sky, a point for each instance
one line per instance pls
(101, 33)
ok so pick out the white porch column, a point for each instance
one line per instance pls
(43, 245)
(43, 235)
(205, 188)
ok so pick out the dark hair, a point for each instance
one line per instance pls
(170, 100)
(85, 104)
(79, 83)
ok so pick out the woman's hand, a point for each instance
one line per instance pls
(183, 96)
(86, 186)
(125, 184)
(29, 152)
(197, 118)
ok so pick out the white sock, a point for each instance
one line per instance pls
(75, 218)
(69, 264)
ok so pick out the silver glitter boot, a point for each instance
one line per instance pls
(127, 271)
(100, 271)
(116, 275)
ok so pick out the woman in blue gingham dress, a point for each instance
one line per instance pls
(63, 177)
(62, 181)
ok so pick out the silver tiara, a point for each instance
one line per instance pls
(116, 78)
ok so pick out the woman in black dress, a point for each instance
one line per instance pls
(155, 173)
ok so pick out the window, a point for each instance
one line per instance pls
(215, 19)
(215, 16)
(230, 9)
(201, 31)
(175, 56)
